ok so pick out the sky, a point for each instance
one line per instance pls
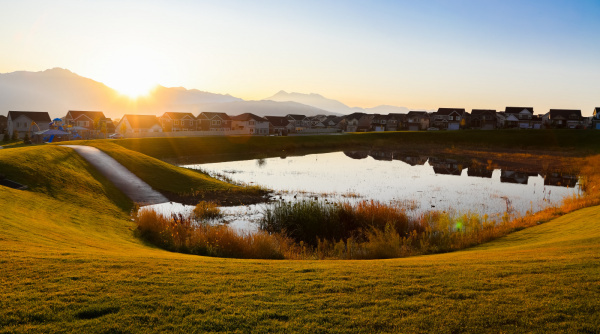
(418, 54)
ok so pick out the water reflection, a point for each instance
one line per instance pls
(422, 181)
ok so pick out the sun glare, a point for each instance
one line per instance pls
(131, 74)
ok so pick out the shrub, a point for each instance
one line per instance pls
(183, 234)
(15, 135)
(207, 211)
(6, 137)
(310, 220)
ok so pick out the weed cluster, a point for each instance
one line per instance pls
(187, 235)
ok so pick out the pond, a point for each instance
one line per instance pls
(420, 183)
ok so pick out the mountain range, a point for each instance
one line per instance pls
(318, 101)
(58, 90)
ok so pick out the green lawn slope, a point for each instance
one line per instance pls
(70, 262)
(581, 142)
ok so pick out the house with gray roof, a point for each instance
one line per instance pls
(449, 118)
(250, 123)
(27, 122)
(563, 119)
(139, 124)
(523, 115)
(177, 121)
(213, 121)
(483, 119)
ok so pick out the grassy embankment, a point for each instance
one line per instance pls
(70, 263)
(205, 149)
(362, 238)
(179, 184)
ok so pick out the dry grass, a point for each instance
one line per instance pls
(186, 235)
(207, 211)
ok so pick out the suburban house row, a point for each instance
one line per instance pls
(92, 124)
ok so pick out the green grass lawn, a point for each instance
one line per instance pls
(581, 142)
(70, 263)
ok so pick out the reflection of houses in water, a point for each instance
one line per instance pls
(412, 160)
(357, 154)
(561, 180)
(382, 155)
(480, 171)
(511, 176)
(445, 166)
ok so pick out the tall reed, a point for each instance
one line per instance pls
(185, 235)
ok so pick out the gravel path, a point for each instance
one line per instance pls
(136, 189)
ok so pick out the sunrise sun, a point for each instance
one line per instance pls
(131, 74)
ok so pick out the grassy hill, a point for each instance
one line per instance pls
(210, 148)
(70, 263)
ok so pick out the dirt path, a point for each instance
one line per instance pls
(136, 189)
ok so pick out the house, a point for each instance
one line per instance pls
(250, 124)
(563, 118)
(506, 121)
(316, 122)
(484, 119)
(358, 122)
(379, 122)
(91, 120)
(357, 155)
(3, 121)
(396, 122)
(446, 166)
(411, 159)
(213, 121)
(536, 122)
(382, 155)
(27, 122)
(335, 122)
(480, 171)
(279, 125)
(596, 119)
(298, 122)
(417, 120)
(524, 116)
(139, 124)
(511, 176)
(449, 118)
(177, 121)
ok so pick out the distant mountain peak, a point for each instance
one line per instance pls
(58, 71)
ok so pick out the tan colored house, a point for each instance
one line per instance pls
(359, 122)
(449, 118)
(279, 125)
(417, 120)
(139, 124)
(27, 122)
(177, 121)
(213, 121)
(250, 124)
(91, 120)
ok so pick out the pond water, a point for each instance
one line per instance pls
(420, 183)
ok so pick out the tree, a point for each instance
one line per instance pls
(6, 137)
(15, 135)
(26, 139)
